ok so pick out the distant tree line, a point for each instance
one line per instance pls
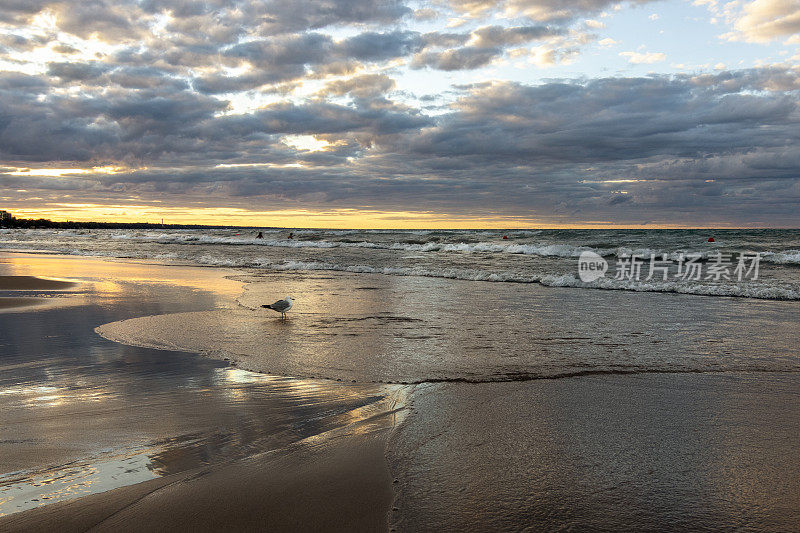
(50, 224)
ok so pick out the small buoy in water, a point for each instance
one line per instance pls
(711, 239)
(505, 237)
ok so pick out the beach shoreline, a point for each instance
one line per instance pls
(696, 448)
(323, 468)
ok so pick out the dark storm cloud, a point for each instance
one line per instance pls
(163, 102)
(291, 57)
(678, 141)
(77, 71)
(320, 118)
(280, 16)
(465, 58)
(497, 36)
(222, 19)
(551, 11)
(444, 40)
(613, 119)
(18, 11)
(17, 83)
(486, 45)
(19, 42)
(112, 21)
(683, 142)
(371, 46)
(764, 79)
(145, 78)
(160, 125)
(116, 127)
(365, 86)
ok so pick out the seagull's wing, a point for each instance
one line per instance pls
(280, 305)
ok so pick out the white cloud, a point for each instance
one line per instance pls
(654, 16)
(594, 24)
(639, 58)
(607, 42)
(762, 20)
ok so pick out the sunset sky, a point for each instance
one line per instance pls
(346, 113)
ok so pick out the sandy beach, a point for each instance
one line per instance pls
(96, 433)
(340, 483)
(400, 266)
(642, 430)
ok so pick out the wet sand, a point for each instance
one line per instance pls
(648, 452)
(16, 284)
(690, 422)
(91, 426)
(32, 283)
(340, 484)
(11, 302)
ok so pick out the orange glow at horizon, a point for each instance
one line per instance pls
(309, 218)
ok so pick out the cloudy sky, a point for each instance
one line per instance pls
(392, 113)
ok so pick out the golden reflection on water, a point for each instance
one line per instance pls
(61, 398)
(377, 407)
(53, 396)
(22, 491)
(105, 274)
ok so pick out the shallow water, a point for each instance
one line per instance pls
(80, 414)
(417, 329)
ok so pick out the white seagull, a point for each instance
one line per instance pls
(280, 306)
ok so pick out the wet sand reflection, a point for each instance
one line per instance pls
(81, 414)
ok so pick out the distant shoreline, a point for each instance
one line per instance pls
(43, 223)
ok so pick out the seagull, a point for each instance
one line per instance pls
(280, 306)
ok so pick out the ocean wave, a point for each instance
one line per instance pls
(417, 241)
(544, 250)
(788, 257)
(738, 290)
(565, 251)
(749, 289)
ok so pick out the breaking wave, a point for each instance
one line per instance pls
(739, 290)
(545, 257)
(545, 250)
